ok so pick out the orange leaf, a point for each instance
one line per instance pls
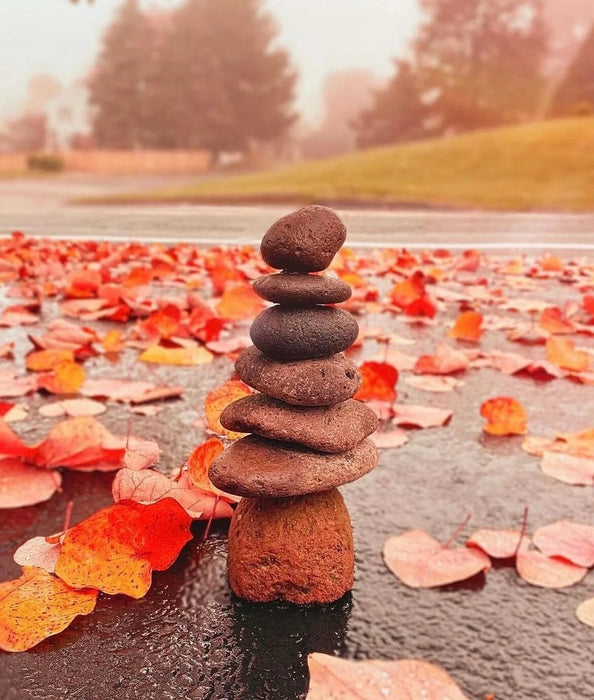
(420, 561)
(446, 360)
(552, 321)
(239, 303)
(218, 399)
(467, 326)
(112, 341)
(176, 356)
(38, 605)
(67, 378)
(332, 678)
(199, 462)
(74, 442)
(560, 352)
(44, 360)
(505, 416)
(378, 381)
(117, 548)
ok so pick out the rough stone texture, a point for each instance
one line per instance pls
(298, 550)
(295, 289)
(256, 466)
(301, 334)
(319, 382)
(304, 241)
(325, 428)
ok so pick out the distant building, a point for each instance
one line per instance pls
(67, 117)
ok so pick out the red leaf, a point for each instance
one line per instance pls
(332, 678)
(378, 381)
(553, 321)
(239, 303)
(572, 541)
(445, 361)
(24, 485)
(38, 605)
(505, 416)
(420, 561)
(117, 548)
(498, 544)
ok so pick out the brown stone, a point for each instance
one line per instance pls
(295, 289)
(298, 550)
(319, 382)
(304, 241)
(301, 334)
(256, 466)
(325, 428)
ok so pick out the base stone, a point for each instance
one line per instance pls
(299, 550)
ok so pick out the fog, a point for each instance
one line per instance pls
(62, 39)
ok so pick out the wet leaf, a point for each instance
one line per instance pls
(218, 399)
(420, 561)
(421, 416)
(176, 356)
(563, 538)
(66, 378)
(239, 303)
(38, 605)
(332, 678)
(117, 548)
(498, 544)
(378, 382)
(445, 361)
(24, 485)
(38, 552)
(561, 352)
(467, 327)
(547, 572)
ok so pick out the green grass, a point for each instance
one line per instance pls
(539, 166)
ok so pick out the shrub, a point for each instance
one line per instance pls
(45, 163)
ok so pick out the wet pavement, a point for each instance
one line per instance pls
(190, 638)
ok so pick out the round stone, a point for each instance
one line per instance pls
(298, 550)
(301, 334)
(295, 289)
(319, 382)
(304, 241)
(256, 466)
(325, 428)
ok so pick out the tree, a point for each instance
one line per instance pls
(25, 133)
(478, 62)
(576, 89)
(118, 85)
(397, 113)
(227, 87)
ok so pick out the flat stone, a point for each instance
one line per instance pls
(296, 289)
(301, 334)
(318, 382)
(304, 241)
(324, 428)
(256, 466)
(299, 550)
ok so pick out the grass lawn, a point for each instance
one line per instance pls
(539, 166)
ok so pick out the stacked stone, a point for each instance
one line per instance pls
(290, 537)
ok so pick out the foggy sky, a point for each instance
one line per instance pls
(62, 39)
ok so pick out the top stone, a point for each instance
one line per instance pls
(304, 241)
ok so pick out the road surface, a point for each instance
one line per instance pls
(40, 207)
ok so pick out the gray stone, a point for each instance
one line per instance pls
(304, 241)
(256, 466)
(325, 428)
(295, 289)
(301, 334)
(319, 382)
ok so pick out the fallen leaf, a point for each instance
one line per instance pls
(378, 381)
(12, 386)
(38, 605)
(552, 321)
(561, 352)
(385, 439)
(421, 416)
(433, 382)
(199, 463)
(585, 612)
(563, 538)
(66, 378)
(420, 561)
(117, 548)
(446, 360)
(126, 391)
(498, 544)
(505, 416)
(73, 408)
(24, 485)
(45, 360)
(218, 399)
(176, 356)
(149, 486)
(239, 303)
(332, 678)
(467, 327)
(571, 469)
(38, 552)
(547, 572)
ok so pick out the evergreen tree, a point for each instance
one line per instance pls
(478, 62)
(575, 93)
(226, 86)
(397, 112)
(118, 86)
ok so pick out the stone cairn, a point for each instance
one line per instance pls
(290, 537)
